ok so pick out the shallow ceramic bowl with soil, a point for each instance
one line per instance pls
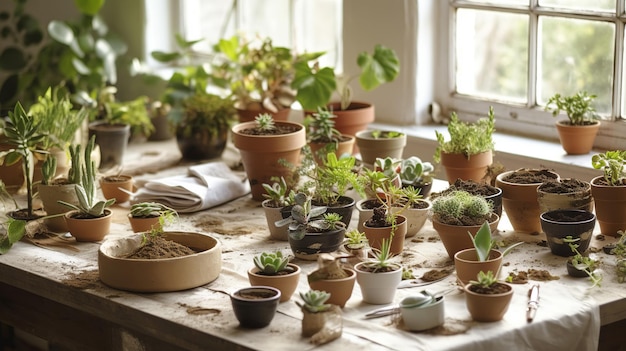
(164, 274)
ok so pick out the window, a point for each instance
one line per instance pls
(516, 54)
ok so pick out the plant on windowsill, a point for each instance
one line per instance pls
(469, 152)
(609, 191)
(374, 144)
(321, 321)
(582, 266)
(579, 131)
(273, 269)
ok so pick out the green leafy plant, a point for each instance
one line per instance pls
(386, 134)
(22, 133)
(578, 108)
(314, 301)
(15, 230)
(315, 85)
(321, 127)
(153, 209)
(205, 112)
(413, 171)
(305, 217)
(271, 263)
(612, 164)
(620, 253)
(86, 191)
(467, 138)
(355, 239)
(484, 280)
(583, 263)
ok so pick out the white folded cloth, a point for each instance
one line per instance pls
(205, 186)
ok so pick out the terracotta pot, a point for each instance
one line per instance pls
(365, 212)
(610, 204)
(273, 214)
(50, 195)
(519, 201)
(112, 140)
(558, 224)
(454, 237)
(378, 288)
(250, 115)
(286, 283)
(260, 154)
(255, 306)
(313, 244)
(340, 289)
(468, 266)
(202, 144)
(488, 308)
(143, 224)
(577, 140)
(459, 166)
(580, 200)
(162, 274)
(91, 229)
(353, 119)
(376, 235)
(341, 148)
(111, 185)
(372, 148)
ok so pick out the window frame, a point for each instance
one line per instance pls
(527, 119)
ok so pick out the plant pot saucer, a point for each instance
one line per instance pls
(164, 274)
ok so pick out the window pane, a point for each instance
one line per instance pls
(576, 55)
(492, 54)
(589, 5)
(207, 19)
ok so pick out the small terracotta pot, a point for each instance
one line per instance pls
(142, 224)
(487, 308)
(376, 235)
(111, 185)
(454, 237)
(91, 229)
(286, 283)
(459, 166)
(255, 306)
(610, 204)
(340, 289)
(250, 115)
(467, 265)
(372, 148)
(342, 148)
(577, 140)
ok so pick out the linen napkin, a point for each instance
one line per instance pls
(205, 186)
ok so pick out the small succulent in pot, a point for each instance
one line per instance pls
(321, 321)
(271, 263)
(413, 171)
(305, 217)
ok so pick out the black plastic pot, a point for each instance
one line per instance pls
(558, 224)
(255, 306)
(312, 244)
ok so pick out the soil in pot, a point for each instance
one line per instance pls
(475, 188)
(279, 129)
(157, 247)
(567, 193)
(530, 176)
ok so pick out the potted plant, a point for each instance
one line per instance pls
(320, 320)
(273, 269)
(22, 134)
(148, 216)
(456, 214)
(315, 86)
(414, 208)
(255, 306)
(311, 230)
(90, 219)
(333, 277)
(262, 144)
(356, 244)
(277, 197)
(375, 144)
(579, 131)
(202, 130)
(469, 152)
(519, 196)
(581, 266)
(323, 138)
(486, 298)
(564, 193)
(609, 191)
(379, 276)
(415, 173)
(561, 223)
(117, 186)
(258, 75)
(482, 257)
(489, 192)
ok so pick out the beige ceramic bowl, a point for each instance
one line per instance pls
(160, 275)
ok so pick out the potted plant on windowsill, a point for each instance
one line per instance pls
(266, 146)
(375, 144)
(273, 269)
(609, 191)
(315, 86)
(469, 152)
(579, 131)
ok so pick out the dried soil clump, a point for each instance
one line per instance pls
(530, 176)
(158, 247)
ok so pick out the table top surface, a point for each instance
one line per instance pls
(202, 316)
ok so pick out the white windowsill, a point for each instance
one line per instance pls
(511, 151)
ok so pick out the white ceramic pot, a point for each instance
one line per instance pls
(423, 317)
(378, 288)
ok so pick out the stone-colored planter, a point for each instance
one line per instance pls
(372, 148)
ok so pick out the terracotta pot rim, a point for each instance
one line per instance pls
(458, 253)
(255, 271)
(566, 123)
(352, 275)
(468, 291)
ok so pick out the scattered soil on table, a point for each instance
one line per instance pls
(221, 226)
(83, 280)
(522, 277)
(530, 176)
(159, 247)
(435, 274)
(564, 186)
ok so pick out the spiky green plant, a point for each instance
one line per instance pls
(265, 122)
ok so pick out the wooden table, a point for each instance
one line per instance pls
(55, 293)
